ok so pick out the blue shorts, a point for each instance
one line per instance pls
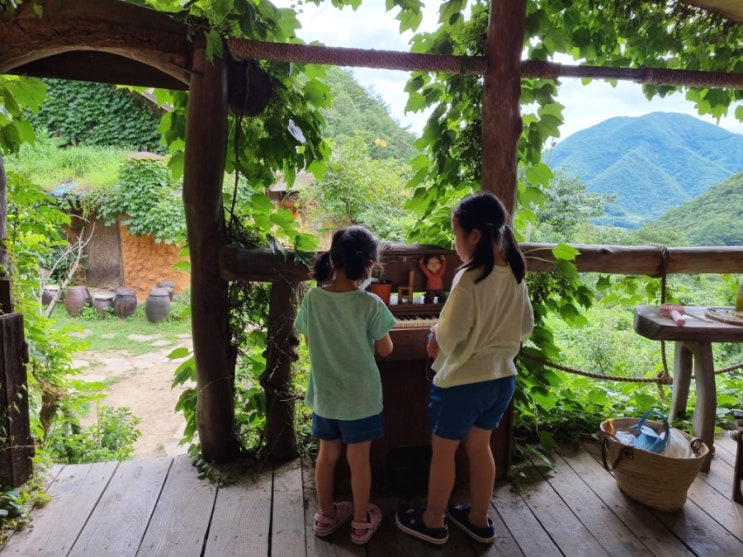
(454, 410)
(348, 431)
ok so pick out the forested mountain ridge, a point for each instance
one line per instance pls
(651, 163)
(713, 219)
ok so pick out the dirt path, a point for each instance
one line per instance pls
(142, 384)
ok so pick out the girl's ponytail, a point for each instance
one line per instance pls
(513, 254)
(322, 270)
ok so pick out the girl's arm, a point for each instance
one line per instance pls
(383, 346)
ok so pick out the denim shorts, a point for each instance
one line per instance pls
(454, 410)
(348, 431)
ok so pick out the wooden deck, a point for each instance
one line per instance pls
(159, 507)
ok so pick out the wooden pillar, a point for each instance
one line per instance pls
(206, 147)
(501, 111)
(16, 443)
(281, 352)
(6, 299)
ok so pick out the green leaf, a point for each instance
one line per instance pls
(566, 252)
(213, 45)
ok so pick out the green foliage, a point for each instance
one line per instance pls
(249, 305)
(97, 114)
(18, 94)
(147, 200)
(357, 189)
(357, 113)
(111, 437)
(15, 504)
(566, 211)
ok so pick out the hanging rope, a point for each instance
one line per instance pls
(660, 379)
(665, 258)
(663, 377)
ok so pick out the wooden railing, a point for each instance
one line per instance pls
(285, 274)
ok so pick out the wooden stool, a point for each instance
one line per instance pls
(405, 293)
(738, 474)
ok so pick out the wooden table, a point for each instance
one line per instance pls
(693, 349)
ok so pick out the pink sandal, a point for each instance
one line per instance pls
(374, 515)
(324, 526)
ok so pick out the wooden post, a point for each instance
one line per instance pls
(501, 113)
(206, 147)
(16, 443)
(6, 299)
(281, 352)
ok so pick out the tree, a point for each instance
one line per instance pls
(357, 189)
(567, 210)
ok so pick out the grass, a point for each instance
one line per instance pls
(134, 334)
(48, 166)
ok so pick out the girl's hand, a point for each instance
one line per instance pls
(432, 348)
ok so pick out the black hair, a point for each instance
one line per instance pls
(485, 212)
(352, 250)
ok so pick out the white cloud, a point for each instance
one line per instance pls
(371, 27)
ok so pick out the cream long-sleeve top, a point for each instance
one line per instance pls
(481, 327)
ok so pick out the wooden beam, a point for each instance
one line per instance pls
(154, 39)
(206, 148)
(246, 49)
(237, 263)
(501, 110)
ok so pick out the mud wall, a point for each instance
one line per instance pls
(146, 262)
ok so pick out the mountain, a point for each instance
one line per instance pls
(713, 219)
(651, 163)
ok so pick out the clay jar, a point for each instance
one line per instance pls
(125, 302)
(169, 286)
(48, 294)
(102, 301)
(157, 306)
(76, 298)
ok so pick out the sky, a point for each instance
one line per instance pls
(370, 27)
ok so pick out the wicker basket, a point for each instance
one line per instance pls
(658, 481)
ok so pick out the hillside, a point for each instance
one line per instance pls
(652, 163)
(713, 219)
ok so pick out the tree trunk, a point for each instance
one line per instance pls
(206, 147)
(501, 112)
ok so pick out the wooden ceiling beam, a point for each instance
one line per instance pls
(246, 49)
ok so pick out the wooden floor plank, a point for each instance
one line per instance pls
(560, 523)
(660, 541)
(180, 521)
(599, 519)
(522, 525)
(700, 532)
(576, 509)
(120, 518)
(241, 517)
(288, 532)
(74, 494)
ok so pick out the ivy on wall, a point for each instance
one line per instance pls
(97, 114)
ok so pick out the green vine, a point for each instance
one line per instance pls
(146, 199)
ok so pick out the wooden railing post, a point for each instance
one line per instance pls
(281, 353)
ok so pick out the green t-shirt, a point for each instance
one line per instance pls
(341, 328)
